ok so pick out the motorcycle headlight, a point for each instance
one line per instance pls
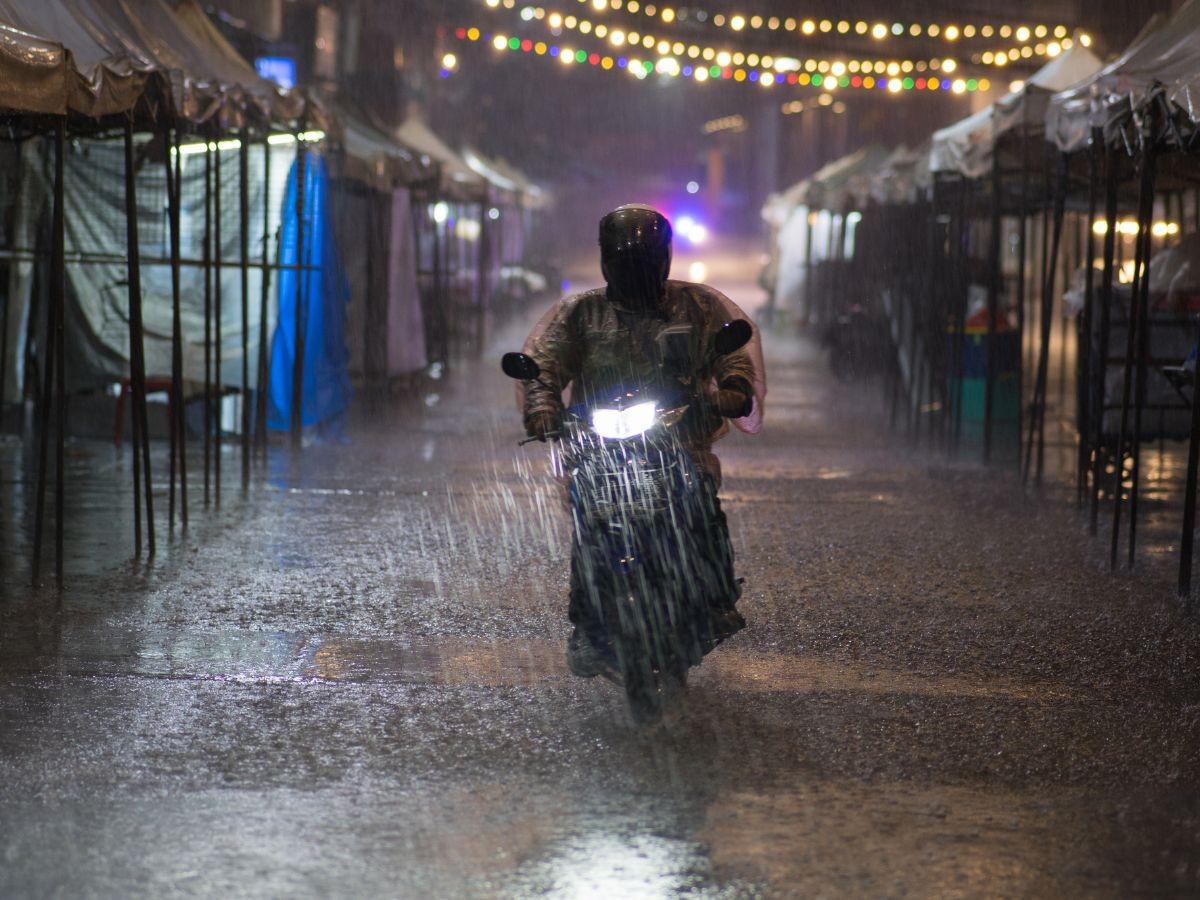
(618, 424)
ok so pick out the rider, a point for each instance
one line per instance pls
(643, 328)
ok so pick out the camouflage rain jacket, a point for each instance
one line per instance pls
(596, 346)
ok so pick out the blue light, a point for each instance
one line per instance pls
(553, 50)
(692, 230)
(622, 62)
(279, 69)
(754, 76)
(687, 71)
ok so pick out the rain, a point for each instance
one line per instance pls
(595, 448)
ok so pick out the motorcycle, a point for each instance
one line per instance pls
(641, 525)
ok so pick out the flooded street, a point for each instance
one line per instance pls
(351, 682)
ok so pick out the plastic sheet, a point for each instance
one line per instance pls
(325, 390)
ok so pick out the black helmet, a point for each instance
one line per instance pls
(635, 254)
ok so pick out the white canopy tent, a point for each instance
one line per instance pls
(801, 218)
(417, 134)
(904, 177)
(968, 147)
(1167, 53)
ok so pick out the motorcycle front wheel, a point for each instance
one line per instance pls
(648, 692)
(645, 699)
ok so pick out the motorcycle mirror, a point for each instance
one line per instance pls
(733, 336)
(520, 367)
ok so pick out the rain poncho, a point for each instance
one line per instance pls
(587, 345)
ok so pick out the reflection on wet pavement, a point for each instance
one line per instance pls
(270, 657)
(350, 682)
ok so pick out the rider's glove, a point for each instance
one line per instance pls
(735, 399)
(542, 424)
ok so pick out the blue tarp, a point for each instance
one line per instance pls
(325, 294)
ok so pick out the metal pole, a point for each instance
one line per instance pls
(1047, 319)
(137, 337)
(297, 422)
(962, 238)
(208, 335)
(808, 268)
(175, 191)
(134, 281)
(1142, 299)
(44, 416)
(1043, 314)
(4, 349)
(832, 295)
(263, 368)
(47, 359)
(1085, 343)
(993, 297)
(218, 255)
(1022, 248)
(933, 285)
(1131, 345)
(244, 235)
(439, 294)
(172, 431)
(1111, 164)
(58, 293)
(1187, 541)
(1070, 260)
(483, 264)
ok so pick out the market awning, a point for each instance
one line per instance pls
(836, 186)
(372, 156)
(904, 177)
(533, 195)
(456, 175)
(778, 207)
(844, 182)
(1167, 53)
(55, 61)
(489, 171)
(238, 81)
(98, 58)
(968, 147)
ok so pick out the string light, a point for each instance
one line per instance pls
(1130, 227)
(795, 107)
(848, 76)
(1004, 57)
(725, 123)
(620, 38)
(881, 30)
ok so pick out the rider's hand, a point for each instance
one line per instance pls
(542, 425)
(735, 399)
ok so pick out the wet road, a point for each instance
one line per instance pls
(350, 683)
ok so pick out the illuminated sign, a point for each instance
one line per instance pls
(279, 69)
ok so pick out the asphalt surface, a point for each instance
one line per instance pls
(350, 682)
